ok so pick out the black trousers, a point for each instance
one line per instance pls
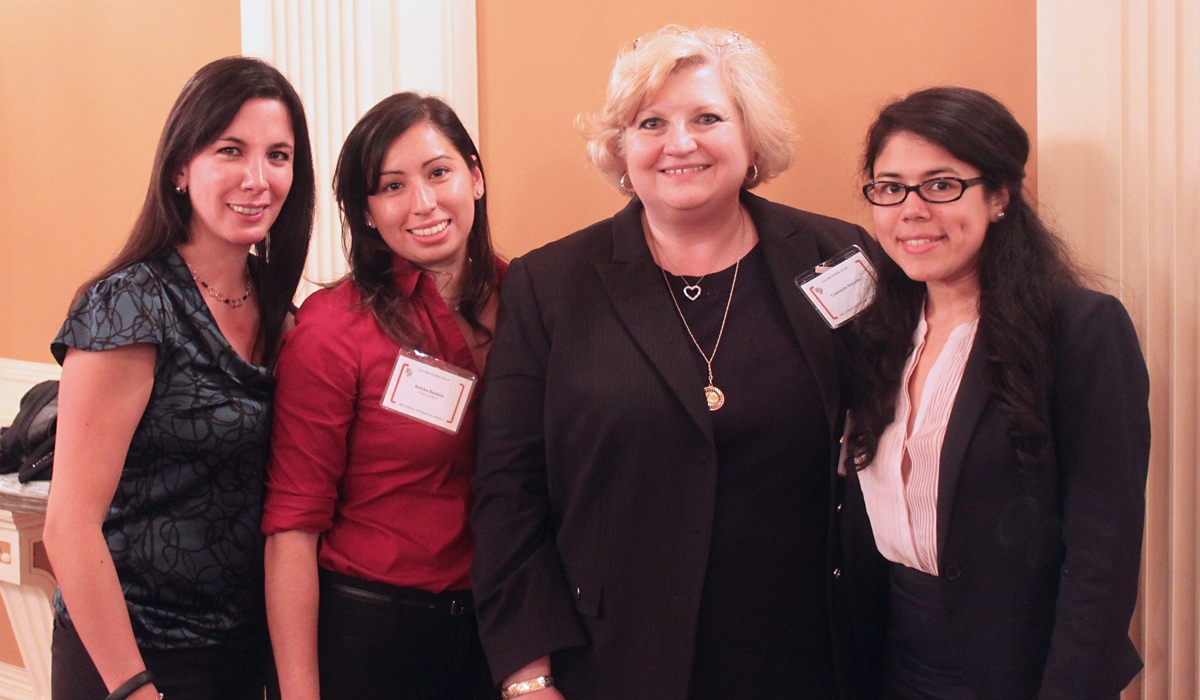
(377, 641)
(223, 672)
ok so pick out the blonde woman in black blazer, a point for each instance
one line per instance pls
(1022, 583)
(641, 534)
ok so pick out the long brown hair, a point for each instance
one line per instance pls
(357, 177)
(1022, 268)
(208, 104)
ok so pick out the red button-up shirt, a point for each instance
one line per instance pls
(390, 496)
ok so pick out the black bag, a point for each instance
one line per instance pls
(27, 447)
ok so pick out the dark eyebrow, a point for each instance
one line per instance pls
(928, 174)
(240, 142)
(426, 163)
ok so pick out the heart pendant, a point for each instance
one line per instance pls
(692, 292)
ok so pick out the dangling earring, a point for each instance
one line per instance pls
(752, 174)
(627, 189)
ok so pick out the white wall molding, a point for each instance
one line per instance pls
(343, 56)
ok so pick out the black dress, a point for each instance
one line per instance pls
(764, 623)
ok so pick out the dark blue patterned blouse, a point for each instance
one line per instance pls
(183, 527)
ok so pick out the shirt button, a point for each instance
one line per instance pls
(953, 572)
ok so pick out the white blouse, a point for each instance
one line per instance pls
(903, 506)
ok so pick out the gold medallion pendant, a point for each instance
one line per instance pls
(712, 395)
(716, 398)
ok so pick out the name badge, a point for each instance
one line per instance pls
(429, 391)
(840, 287)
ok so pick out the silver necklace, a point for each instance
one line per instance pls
(692, 290)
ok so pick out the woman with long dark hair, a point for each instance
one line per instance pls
(373, 446)
(152, 524)
(1000, 436)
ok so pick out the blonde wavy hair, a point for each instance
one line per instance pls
(645, 64)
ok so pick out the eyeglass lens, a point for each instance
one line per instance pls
(937, 190)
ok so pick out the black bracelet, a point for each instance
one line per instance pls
(131, 686)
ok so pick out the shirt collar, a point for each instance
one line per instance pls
(405, 274)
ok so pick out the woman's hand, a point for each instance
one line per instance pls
(540, 667)
(544, 694)
(101, 399)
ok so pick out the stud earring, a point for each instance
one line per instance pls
(179, 189)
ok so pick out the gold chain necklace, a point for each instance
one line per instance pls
(714, 396)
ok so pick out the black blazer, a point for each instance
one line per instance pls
(1039, 574)
(597, 467)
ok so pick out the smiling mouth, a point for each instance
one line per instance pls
(247, 210)
(916, 243)
(680, 171)
(436, 228)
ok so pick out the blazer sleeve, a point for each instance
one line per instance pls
(1101, 424)
(522, 600)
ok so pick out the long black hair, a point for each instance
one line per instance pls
(1022, 268)
(357, 177)
(205, 108)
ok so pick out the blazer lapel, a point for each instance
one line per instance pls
(969, 403)
(790, 253)
(635, 286)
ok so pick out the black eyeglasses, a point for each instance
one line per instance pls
(939, 190)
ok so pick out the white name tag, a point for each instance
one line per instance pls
(840, 287)
(428, 390)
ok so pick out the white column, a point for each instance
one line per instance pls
(343, 56)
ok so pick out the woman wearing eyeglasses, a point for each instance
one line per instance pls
(658, 433)
(999, 433)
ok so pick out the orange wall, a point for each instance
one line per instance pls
(84, 90)
(542, 62)
(85, 87)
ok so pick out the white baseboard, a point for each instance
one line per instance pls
(16, 377)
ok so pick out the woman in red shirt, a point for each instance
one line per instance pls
(366, 517)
